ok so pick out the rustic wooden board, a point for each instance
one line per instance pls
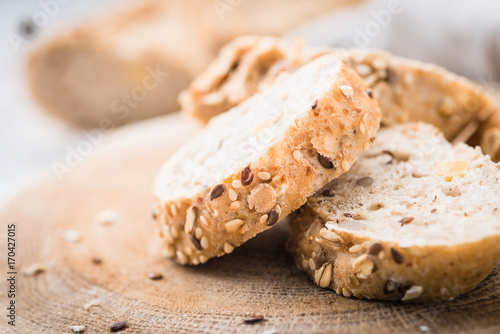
(258, 278)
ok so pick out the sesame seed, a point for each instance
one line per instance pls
(228, 248)
(345, 166)
(263, 219)
(174, 231)
(203, 220)
(234, 225)
(264, 176)
(235, 205)
(190, 218)
(173, 210)
(347, 91)
(236, 184)
(204, 243)
(363, 70)
(362, 128)
(233, 196)
(203, 259)
(355, 249)
(198, 232)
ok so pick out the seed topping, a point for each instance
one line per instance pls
(217, 191)
(246, 176)
(396, 256)
(325, 162)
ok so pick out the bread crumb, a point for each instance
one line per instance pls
(78, 328)
(91, 303)
(35, 269)
(347, 91)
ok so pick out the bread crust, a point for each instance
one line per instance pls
(279, 181)
(382, 262)
(435, 272)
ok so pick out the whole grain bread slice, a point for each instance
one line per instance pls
(415, 218)
(407, 90)
(256, 163)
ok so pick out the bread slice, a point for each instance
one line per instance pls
(244, 66)
(407, 90)
(415, 218)
(260, 161)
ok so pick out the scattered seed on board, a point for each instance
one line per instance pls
(78, 329)
(119, 325)
(155, 276)
(253, 319)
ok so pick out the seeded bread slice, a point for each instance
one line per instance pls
(407, 90)
(260, 161)
(415, 218)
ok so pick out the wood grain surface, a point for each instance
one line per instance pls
(259, 278)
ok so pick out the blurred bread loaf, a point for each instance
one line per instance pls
(407, 90)
(131, 64)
